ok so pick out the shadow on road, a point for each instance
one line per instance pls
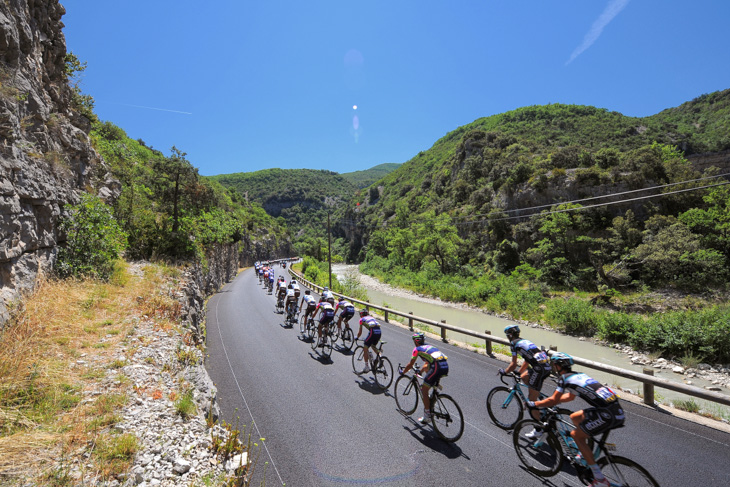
(428, 437)
(321, 359)
(368, 384)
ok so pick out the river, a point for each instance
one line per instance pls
(479, 321)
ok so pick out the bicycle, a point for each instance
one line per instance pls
(291, 315)
(446, 416)
(380, 365)
(506, 405)
(326, 338)
(346, 335)
(280, 305)
(543, 455)
(304, 321)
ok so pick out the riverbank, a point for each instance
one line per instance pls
(715, 377)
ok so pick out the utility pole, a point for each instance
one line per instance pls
(329, 248)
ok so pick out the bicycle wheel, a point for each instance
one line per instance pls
(311, 330)
(406, 394)
(333, 332)
(542, 455)
(326, 347)
(504, 408)
(303, 325)
(447, 418)
(358, 360)
(383, 373)
(348, 338)
(621, 471)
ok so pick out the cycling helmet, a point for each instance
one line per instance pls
(306, 291)
(419, 338)
(512, 331)
(364, 312)
(562, 359)
(290, 286)
(341, 298)
(326, 288)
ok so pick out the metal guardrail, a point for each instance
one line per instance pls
(646, 378)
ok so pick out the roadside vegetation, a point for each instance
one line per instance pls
(61, 386)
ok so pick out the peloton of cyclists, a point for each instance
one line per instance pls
(434, 367)
(535, 367)
(606, 413)
(374, 333)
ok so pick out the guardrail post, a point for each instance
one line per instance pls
(410, 321)
(443, 332)
(489, 342)
(386, 317)
(648, 388)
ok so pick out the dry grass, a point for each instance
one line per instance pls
(65, 341)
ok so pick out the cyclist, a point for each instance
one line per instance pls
(328, 314)
(434, 367)
(291, 301)
(348, 311)
(281, 289)
(373, 337)
(271, 280)
(297, 291)
(328, 296)
(311, 305)
(535, 367)
(605, 414)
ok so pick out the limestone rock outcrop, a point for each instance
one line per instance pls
(46, 158)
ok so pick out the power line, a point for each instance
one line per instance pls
(593, 206)
(611, 194)
(534, 213)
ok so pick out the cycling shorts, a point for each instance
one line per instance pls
(373, 337)
(438, 369)
(311, 308)
(327, 316)
(347, 314)
(599, 420)
(535, 377)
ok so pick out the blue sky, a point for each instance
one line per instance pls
(242, 86)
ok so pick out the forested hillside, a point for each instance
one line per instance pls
(168, 210)
(363, 179)
(301, 198)
(513, 211)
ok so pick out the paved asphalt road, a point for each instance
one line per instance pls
(325, 426)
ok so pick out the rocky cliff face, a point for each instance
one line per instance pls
(46, 157)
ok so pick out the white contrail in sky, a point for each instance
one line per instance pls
(612, 10)
(153, 108)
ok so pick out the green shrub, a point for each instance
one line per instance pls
(617, 327)
(574, 316)
(94, 240)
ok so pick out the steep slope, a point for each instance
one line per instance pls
(302, 197)
(46, 157)
(363, 179)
